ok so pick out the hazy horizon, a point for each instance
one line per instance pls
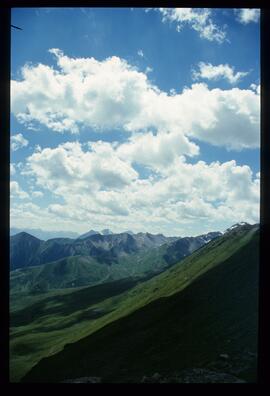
(56, 232)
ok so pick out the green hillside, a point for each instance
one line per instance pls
(74, 271)
(48, 329)
(41, 324)
(77, 271)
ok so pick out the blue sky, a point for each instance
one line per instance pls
(141, 119)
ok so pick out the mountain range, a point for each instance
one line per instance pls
(45, 235)
(58, 263)
(42, 234)
(26, 250)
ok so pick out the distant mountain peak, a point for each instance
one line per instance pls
(106, 231)
(237, 225)
(211, 235)
(129, 232)
(25, 235)
(87, 234)
(43, 234)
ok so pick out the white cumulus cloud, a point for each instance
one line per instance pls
(112, 94)
(172, 198)
(16, 191)
(212, 72)
(69, 166)
(199, 19)
(229, 118)
(247, 15)
(18, 141)
(37, 194)
(157, 151)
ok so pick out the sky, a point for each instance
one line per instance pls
(142, 119)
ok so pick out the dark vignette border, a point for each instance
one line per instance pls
(263, 341)
(4, 187)
(5, 64)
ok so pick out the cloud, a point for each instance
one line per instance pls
(68, 166)
(22, 213)
(111, 94)
(231, 118)
(16, 191)
(198, 19)
(148, 69)
(172, 198)
(37, 194)
(247, 15)
(140, 53)
(157, 151)
(211, 72)
(18, 141)
(256, 88)
(12, 169)
(85, 91)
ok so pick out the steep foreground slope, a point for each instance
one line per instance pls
(199, 314)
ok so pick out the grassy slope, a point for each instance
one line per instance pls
(42, 324)
(216, 314)
(30, 342)
(72, 271)
(77, 271)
